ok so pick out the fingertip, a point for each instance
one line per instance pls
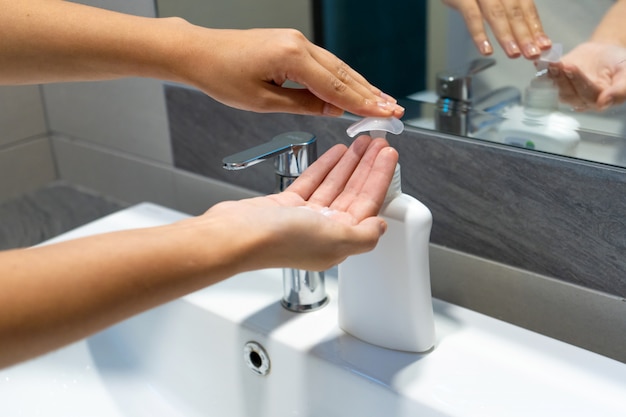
(391, 153)
(543, 41)
(531, 51)
(398, 112)
(605, 101)
(512, 49)
(484, 47)
(382, 226)
(372, 228)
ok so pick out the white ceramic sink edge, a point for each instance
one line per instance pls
(186, 358)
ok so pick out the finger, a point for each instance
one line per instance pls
(615, 94)
(335, 84)
(295, 100)
(345, 72)
(474, 22)
(367, 233)
(336, 180)
(567, 92)
(586, 91)
(310, 180)
(534, 24)
(516, 26)
(372, 195)
(359, 177)
(497, 15)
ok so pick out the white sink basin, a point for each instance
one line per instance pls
(187, 358)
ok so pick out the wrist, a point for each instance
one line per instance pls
(216, 248)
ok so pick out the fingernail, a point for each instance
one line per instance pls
(485, 48)
(386, 105)
(553, 71)
(512, 49)
(543, 41)
(531, 50)
(383, 227)
(331, 110)
(569, 74)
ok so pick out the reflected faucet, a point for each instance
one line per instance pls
(458, 112)
(293, 152)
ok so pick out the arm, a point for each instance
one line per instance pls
(593, 75)
(54, 295)
(515, 24)
(54, 40)
(611, 28)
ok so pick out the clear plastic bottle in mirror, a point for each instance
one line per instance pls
(539, 124)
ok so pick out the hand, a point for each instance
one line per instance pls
(592, 76)
(55, 41)
(514, 23)
(327, 214)
(246, 69)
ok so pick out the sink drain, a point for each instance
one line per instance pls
(256, 358)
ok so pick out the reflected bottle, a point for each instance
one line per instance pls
(538, 124)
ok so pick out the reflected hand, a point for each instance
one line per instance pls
(327, 214)
(515, 24)
(592, 76)
(246, 69)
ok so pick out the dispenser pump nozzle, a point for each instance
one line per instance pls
(377, 126)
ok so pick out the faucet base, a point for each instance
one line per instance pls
(306, 308)
(303, 291)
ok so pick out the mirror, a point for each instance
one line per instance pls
(406, 51)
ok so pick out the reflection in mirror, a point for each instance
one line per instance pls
(407, 54)
(492, 112)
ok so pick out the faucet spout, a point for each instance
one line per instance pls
(292, 152)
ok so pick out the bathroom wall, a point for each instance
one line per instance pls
(113, 136)
(242, 14)
(25, 154)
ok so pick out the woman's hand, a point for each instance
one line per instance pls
(247, 69)
(514, 23)
(52, 41)
(592, 76)
(327, 214)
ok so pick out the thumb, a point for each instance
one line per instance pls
(615, 94)
(368, 232)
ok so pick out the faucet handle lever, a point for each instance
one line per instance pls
(478, 65)
(457, 84)
(294, 152)
(284, 143)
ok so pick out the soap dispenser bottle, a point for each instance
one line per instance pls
(538, 124)
(384, 295)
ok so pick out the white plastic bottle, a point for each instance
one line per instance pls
(384, 295)
(538, 124)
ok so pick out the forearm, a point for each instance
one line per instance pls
(54, 295)
(54, 40)
(611, 29)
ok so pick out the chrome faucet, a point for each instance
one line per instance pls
(458, 111)
(293, 152)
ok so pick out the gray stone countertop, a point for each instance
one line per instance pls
(39, 215)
